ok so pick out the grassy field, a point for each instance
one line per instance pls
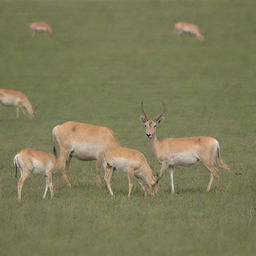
(103, 59)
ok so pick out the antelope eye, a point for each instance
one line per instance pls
(145, 126)
(155, 126)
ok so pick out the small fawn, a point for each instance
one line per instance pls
(29, 161)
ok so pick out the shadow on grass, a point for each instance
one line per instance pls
(179, 191)
(199, 190)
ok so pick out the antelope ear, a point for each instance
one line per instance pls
(158, 121)
(143, 119)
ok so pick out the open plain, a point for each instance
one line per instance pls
(103, 58)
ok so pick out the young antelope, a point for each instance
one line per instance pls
(134, 163)
(29, 161)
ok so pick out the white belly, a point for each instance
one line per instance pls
(41, 168)
(184, 158)
(87, 151)
(123, 163)
(188, 30)
(8, 101)
(40, 29)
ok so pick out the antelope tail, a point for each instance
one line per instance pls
(16, 165)
(16, 170)
(54, 151)
(55, 142)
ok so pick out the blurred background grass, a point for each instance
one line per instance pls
(103, 59)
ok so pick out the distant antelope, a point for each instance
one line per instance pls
(40, 27)
(183, 151)
(29, 161)
(188, 28)
(86, 142)
(134, 163)
(12, 98)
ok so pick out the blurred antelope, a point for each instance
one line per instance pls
(134, 163)
(86, 142)
(12, 98)
(188, 28)
(29, 161)
(40, 27)
(183, 151)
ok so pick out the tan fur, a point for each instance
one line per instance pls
(184, 151)
(85, 142)
(29, 161)
(36, 27)
(188, 28)
(17, 99)
(134, 163)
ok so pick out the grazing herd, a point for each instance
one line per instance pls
(89, 142)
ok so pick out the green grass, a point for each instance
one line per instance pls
(104, 58)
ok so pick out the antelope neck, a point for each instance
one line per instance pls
(153, 143)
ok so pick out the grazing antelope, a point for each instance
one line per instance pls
(40, 27)
(188, 28)
(134, 163)
(13, 98)
(85, 142)
(29, 161)
(183, 151)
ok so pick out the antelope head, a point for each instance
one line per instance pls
(156, 187)
(151, 125)
(33, 114)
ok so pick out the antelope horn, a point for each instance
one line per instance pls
(159, 116)
(143, 112)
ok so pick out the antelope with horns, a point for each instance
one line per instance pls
(13, 98)
(134, 163)
(85, 142)
(29, 161)
(188, 28)
(183, 151)
(37, 27)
